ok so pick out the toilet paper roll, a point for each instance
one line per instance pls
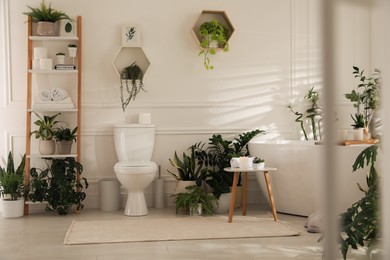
(145, 118)
(159, 193)
(35, 64)
(40, 52)
(46, 64)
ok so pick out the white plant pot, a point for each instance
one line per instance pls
(223, 203)
(60, 59)
(64, 147)
(258, 166)
(13, 208)
(181, 186)
(47, 147)
(72, 52)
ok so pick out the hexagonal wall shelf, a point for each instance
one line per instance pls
(127, 55)
(208, 15)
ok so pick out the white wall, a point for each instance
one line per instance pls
(274, 59)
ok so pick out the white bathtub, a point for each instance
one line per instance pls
(297, 183)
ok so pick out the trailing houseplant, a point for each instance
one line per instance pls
(47, 126)
(314, 114)
(131, 83)
(194, 198)
(214, 35)
(64, 138)
(59, 185)
(12, 188)
(46, 16)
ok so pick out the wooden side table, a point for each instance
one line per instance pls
(245, 172)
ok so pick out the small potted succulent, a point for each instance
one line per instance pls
(64, 138)
(258, 163)
(46, 17)
(12, 187)
(60, 58)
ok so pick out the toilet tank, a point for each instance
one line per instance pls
(134, 142)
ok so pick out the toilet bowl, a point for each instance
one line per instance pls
(135, 176)
(134, 144)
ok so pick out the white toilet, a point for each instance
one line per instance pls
(134, 145)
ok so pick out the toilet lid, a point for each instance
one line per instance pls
(135, 163)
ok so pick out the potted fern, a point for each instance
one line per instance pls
(214, 36)
(196, 200)
(12, 187)
(131, 83)
(46, 17)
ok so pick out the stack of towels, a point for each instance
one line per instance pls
(56, 98)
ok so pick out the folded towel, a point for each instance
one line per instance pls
(67, 100)
(45, 95)
(58, 94)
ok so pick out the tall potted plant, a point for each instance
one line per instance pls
(131, 83)
(64, 138)
(365, 99)
(45, 17)
(47, 125)
(12, 187)
(214, 35)
(189, 171)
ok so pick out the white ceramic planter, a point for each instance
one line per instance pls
(223, 203)
(13, 208)
(258, 166)
(60, 59)
(181, 186)
(47, 147)
(72, 52)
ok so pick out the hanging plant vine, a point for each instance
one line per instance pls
(131, 84)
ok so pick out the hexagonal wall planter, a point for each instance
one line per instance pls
(127, 55)
(208, 15)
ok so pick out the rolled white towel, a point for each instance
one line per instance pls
(58, 94)
(45, 95)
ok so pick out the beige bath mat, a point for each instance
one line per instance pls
(141, 229)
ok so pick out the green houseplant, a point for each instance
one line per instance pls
(216, 156)
(360, 223)
(196, 200)
(214, 35)
(64, 138)
(12, 187)
(365, 97)
(131, 83)
(314, 114)
(45, 17)
(189, 171)
(47, 126)
(59, 185)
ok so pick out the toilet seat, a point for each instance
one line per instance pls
(135, 167)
